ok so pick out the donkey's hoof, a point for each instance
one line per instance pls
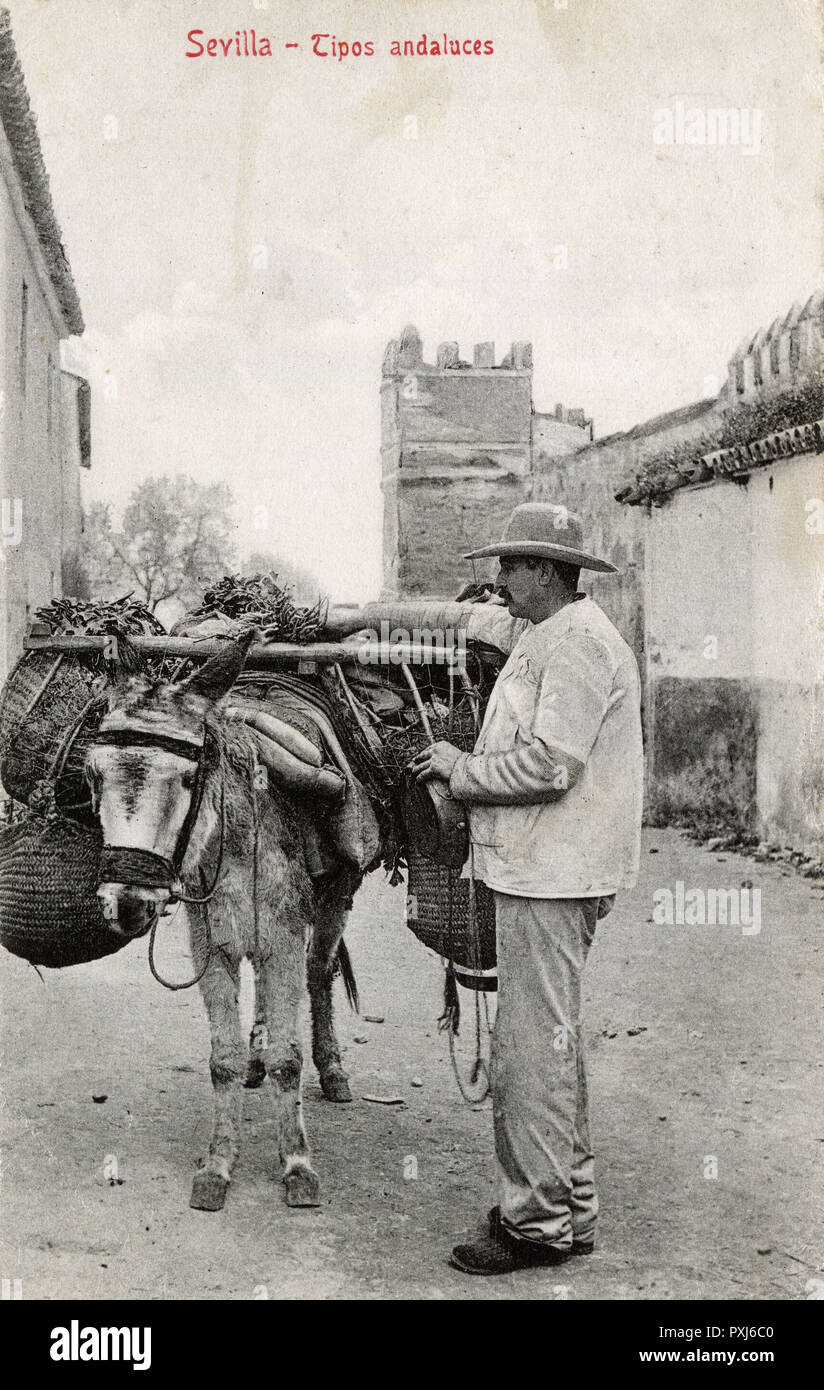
(208, 1191)
(302, 1188)
(335, 1085)
(255, 1074)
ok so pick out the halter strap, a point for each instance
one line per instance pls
(154, 870)
(147, 869)
(144, 738)
(142, 867)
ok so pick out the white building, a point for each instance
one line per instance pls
(44, 411)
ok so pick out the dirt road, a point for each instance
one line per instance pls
(705, 1057)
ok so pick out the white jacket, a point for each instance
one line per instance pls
(570, 686)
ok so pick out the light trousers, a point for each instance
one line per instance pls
(539, 1088)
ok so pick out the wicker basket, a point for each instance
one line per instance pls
(46, 704)
(437, 911)
(49, 912)
(437, 905)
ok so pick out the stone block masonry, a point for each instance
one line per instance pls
(457, 454)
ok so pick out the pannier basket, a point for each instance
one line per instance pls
(437, 912)
(49, 711)
(49, 910)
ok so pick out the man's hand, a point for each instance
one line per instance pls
(437, 760)
(476, 593)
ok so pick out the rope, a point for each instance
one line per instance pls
(255, 830)
(451, 1016)
(479, 1067)
(170, 984)
(182, 898)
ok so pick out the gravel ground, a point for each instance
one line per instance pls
(704, 1043)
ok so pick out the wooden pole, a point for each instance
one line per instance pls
(442, 614)
(265, 655)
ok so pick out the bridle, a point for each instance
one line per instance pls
(142, 867)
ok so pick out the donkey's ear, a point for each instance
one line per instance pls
(217, 675)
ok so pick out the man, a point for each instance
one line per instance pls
(554, 786)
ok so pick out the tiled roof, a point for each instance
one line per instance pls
(21, 131)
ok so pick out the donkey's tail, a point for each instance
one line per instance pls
(347, 974)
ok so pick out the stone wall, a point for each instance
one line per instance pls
(721, 588)
(774, 358)
(586, 482)
(562, 432)
(441, 519)
(457, 454)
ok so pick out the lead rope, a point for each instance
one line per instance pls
(182, 898)
(480, 1070)
(170, 984)
(451, 1015)
(255, 827)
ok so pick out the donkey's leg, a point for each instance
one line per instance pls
(332, 904)
(281, 988)
(256, 1068)
(219, 987)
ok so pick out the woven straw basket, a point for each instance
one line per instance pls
(47, 717)
(437, 905)
(49, 912)
(437, 911)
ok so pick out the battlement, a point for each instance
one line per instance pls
(571, 415)
(777, 358)
(565, 430)
(405, 355)
(459, 445)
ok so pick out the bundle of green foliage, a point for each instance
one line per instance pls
(258, 600)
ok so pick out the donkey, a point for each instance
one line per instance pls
(185, 815)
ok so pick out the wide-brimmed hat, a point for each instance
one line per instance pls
(549, 532)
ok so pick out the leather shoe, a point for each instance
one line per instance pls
(503, 1254)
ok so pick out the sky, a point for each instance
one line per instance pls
(246, 234)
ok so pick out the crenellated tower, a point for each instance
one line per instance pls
(456, 456)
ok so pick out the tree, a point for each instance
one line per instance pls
(175, 537)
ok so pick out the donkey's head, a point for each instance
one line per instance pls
(147, 771)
